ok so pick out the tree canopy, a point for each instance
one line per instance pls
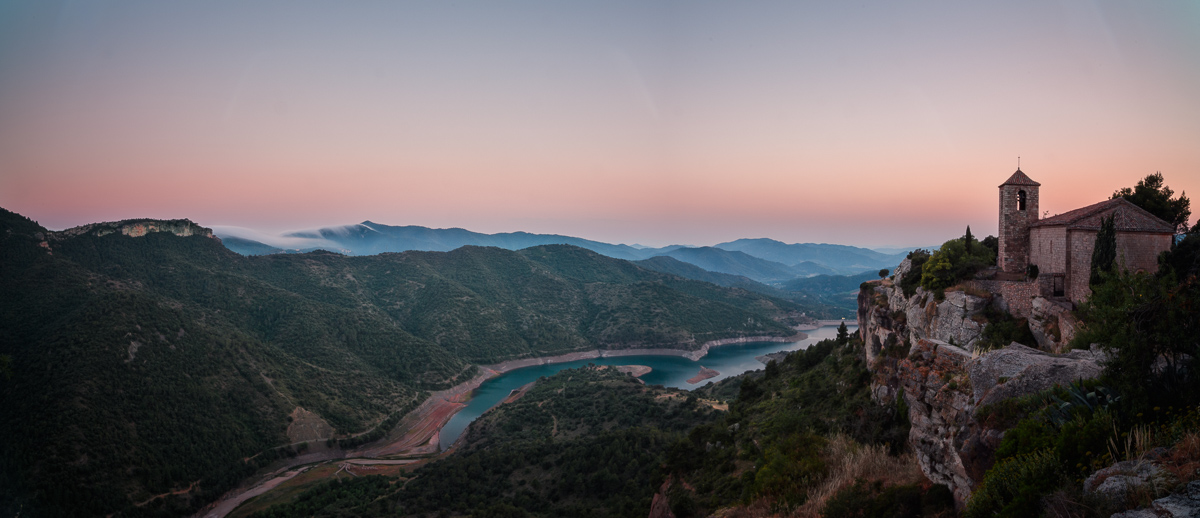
(1104, 253)
(1151, 193)
(956, 260)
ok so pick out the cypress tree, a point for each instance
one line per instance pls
(967, 240)
(1104, 254)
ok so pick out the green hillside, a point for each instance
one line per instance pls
(584, 442)
(143, 366)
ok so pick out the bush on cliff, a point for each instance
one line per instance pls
(911, 280)
(956, 260)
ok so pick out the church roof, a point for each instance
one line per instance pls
(1019, 178)
(1127, 218)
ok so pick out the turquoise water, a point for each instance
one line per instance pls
(671, 371)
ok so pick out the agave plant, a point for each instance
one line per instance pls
(1060, 410)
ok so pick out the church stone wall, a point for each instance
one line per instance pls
(1080, 256)
(1018, 295)
(1047, 247)
(1135, 251)
(1140, 250)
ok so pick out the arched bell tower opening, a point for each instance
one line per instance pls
(1018, 209)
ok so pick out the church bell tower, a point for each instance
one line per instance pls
(1018, 210)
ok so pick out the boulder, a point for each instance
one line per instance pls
(1117, 482)
(1017, 370)
(1052, 324)
(1185, 503)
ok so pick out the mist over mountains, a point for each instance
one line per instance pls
(761, 260)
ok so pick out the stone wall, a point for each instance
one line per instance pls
(1047, 249)
(1014, 227)
(1140, 250)
(1135, 251)
(1016, 296)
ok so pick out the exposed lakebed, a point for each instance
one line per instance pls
(670, 371)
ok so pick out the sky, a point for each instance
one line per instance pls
(861, 123)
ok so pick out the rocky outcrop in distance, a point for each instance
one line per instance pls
(138, 228)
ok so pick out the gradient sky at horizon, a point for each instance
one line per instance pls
(879, 124)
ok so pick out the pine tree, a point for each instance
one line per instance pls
(1104, 254)
(843, 335)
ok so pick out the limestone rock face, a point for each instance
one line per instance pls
(959, 319)
(887, 318)
(945, 387)
(1017, 370)
(1052, 324)
(939, 402)
(138, 228)
(926, 350)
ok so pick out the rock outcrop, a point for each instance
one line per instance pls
(1184, 504)
(946, 386)
(138, 228)
(1052, 324)
(888, 318)
(926, 350)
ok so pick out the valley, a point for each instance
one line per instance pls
(156, 333)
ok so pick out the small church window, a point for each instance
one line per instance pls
(1020, 200)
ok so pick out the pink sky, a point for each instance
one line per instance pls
(654, 123)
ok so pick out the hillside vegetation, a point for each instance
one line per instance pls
(801, 438)
(151, 373)
(584, 442)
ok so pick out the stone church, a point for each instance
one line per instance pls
(1061, 246)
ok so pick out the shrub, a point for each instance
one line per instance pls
(1014, 487)
(909, 281)
(863, 499)
(1003, 329)
(956, 260)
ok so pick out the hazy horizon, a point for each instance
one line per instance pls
(885, 125)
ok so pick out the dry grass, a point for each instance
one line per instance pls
(1184, 458)
(1137, 442)
(845, 461)
(848, 461)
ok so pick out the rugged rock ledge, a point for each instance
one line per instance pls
(924, 349)
(137, 228)
(945, 388)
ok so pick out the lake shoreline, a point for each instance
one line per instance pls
(487, 372)
(696, 355)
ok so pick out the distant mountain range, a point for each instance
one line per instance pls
(762, 260)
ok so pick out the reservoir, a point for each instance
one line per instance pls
(670, 371)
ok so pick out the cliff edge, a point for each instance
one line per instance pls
(929, 352)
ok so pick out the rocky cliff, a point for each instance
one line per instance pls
(138, 228)
(889, 318)
(926, 350)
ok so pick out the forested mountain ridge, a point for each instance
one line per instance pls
(154, 364)
(763, 260)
